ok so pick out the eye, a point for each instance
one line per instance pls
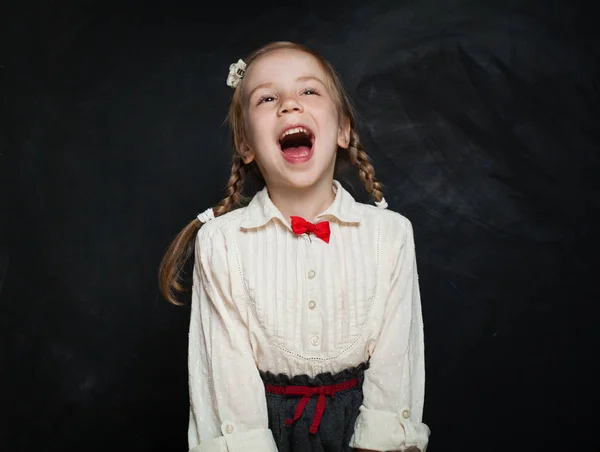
(266, 98)
(310, 91)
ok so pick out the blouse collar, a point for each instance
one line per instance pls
(261, 209)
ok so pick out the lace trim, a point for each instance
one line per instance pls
(323, 379)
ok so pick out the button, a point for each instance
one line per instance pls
(227, 427)
(314, 340)
(405, 414)
(311, 274)
(311, 304)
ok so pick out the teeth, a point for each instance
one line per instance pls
(294, 130)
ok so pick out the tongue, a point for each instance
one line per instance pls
(299, 151)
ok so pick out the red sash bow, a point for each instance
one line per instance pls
(307, 392)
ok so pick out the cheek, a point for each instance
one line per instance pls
(331, 112)
(255, 122)
(250, 129)
(258, 132)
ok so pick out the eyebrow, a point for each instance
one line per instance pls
(299, 79)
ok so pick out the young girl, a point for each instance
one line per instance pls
(306, 331)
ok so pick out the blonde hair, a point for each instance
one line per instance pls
(181, 249)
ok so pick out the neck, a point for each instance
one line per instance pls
(305, 202)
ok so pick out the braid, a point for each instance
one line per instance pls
(234, 189)
(181, 249)
(360, 159)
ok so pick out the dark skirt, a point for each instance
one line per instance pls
(337, 423)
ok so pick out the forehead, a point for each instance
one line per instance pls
(282, 65)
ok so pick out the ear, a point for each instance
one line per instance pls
(247, 153)
(344, 130)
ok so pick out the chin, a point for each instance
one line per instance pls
(300, 182)
(302, 175)
(306, 180)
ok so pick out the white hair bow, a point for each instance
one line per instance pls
(236, 73)
(206, 216)
(382, 204)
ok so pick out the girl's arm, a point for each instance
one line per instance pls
(390, 418)
(228, 409)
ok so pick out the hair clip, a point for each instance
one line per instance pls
(206, 216)
(382, 204)
(236, 73)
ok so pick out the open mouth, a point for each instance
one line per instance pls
(297, 143)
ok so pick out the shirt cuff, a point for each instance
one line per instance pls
(388, 431)
(259, 440)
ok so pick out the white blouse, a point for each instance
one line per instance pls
(266, 298)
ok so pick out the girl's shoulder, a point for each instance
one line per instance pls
(219, 226)
(385, 216)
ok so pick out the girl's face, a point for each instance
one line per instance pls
(292, 126)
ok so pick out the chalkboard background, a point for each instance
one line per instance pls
(482, 119)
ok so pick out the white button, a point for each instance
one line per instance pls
(229, 429)
(314, 340)
(311, 274)
(405, 414)
(312, 304)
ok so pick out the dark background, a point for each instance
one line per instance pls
(481, 118)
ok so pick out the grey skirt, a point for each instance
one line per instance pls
(314, 414)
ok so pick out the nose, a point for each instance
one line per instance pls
(290, 104)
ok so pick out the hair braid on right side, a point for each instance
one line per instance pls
(171, 270)
(360, 159)
(234, 189)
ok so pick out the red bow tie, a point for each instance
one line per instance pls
(321, 229)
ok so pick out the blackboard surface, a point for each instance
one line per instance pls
(481, 118)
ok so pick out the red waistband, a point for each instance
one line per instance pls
(307, 392)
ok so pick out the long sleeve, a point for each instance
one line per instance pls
(390, 418)
(228, 411)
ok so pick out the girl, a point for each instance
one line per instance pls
(306, 331)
